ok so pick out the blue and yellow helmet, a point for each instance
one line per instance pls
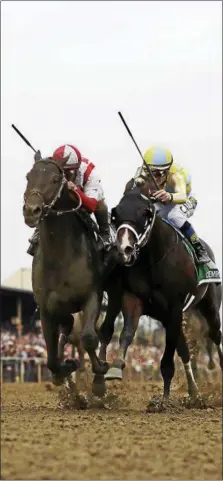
(158, 158)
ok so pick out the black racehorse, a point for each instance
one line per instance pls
(160, 276)
(66, 271)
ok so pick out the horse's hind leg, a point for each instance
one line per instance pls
(80, 351)
(60, 370)
(51, 335)
(209, 347)
(173, 326)
(106, 330)
(61, 344)
(183, 352)
(65, 328)
(80, 375)
(194, 367)
(73, 347)
(191, 340)
(209, 307)
(173, 331)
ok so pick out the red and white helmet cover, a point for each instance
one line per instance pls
(65, 151)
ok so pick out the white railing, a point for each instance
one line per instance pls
(14, 369)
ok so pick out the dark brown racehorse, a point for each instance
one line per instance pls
(160, 275)
(66, 271)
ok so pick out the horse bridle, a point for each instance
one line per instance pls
(142, 239)
(47, 208)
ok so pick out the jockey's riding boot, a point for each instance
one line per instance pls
(33, 242)
(101, 215)
(200, 251)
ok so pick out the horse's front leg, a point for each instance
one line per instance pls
(89, 335)
(59, 370)
(132, 310)
(105, 334)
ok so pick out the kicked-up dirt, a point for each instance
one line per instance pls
(115, 440)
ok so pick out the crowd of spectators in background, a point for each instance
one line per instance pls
(31, 349)
(143, 356)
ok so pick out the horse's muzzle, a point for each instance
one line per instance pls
(32, 214)
(126, 255)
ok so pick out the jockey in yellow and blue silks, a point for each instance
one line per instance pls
(174, 200)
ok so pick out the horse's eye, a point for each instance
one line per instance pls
(27, 176)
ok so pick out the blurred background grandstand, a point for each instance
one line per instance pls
(22, 344)
(23, 351)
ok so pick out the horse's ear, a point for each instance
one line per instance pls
(37, 156)
(64, 161)
(129, 186)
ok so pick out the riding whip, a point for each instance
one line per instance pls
(140, 153)
(23, 138)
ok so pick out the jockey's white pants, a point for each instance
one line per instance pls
(176, 214)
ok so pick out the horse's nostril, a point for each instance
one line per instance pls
(128, 250)
(36, 210)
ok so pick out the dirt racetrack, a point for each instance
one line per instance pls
(120, 441)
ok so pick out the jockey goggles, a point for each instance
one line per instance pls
(159, 173)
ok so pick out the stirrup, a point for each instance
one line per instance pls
(203, 260)
(201, 255)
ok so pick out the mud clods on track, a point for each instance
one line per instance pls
(114, 439)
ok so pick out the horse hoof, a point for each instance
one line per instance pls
(69, 366)
(195, 402)
(57, 380)
(83, 401)
(158, 404)
(211, 365)
(103, 368)
(98, 386)
(73, 364)
(193, 393)
(114, 373)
